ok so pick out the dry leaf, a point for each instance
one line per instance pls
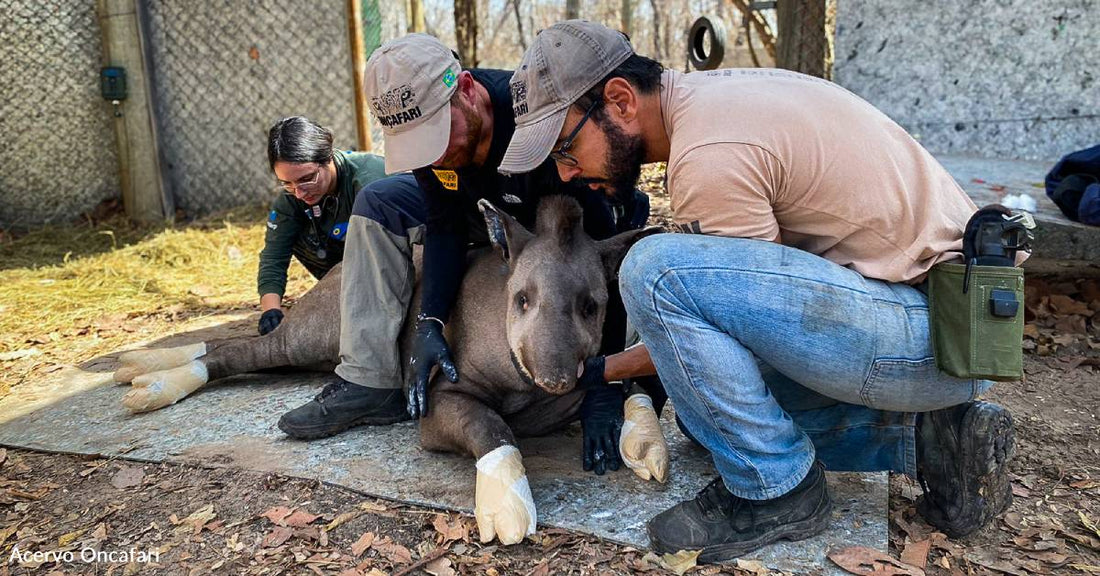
(196, 520)
(1031, 331)
(868, 561)
(1063, 304)
(100, 532)
(254, 53)
(276, 537)
(1088, 523)
(755, 566)
(681, 561)
(300, 519)
(439, 567)
(340, 520)
(1085, 484)
(277, 515)
(128, 477)
(67, 539)
(983, 558)
(362, 544)
(392, 551)
(456, 531)
(916, 553)
(3, 455)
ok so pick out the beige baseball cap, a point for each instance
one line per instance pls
(565, 61)
(408, 83)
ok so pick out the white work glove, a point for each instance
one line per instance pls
(159, 389)
(503, 505)
(641, 444)
(138, 362)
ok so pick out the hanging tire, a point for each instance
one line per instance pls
(703, 32)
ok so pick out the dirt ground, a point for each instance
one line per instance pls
(231, 521)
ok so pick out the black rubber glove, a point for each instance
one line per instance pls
(429, 349)
(592, 377)
(602, 420)
(270, 320)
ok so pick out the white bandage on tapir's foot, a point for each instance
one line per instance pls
(159, 389)
(641, 444)
(503, 504)
(138, 362)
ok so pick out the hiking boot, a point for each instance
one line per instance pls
(725, 526)
(962, 464)
(342, 405)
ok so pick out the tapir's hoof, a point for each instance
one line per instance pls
(503, 505)
(156, 390)
(138, 362)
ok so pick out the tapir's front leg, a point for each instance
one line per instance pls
(503, 504)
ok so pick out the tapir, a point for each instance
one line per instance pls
(529, 311)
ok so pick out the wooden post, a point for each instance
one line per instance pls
(358, 65)
(145, 196)
(415, 11)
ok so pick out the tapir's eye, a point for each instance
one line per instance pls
(521, 301)
(588, 308)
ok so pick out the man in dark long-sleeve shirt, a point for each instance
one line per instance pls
(451, 127)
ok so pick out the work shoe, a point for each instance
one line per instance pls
(342, 405)
(725, 526)
(962, 463)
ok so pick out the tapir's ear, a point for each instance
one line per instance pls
(505, 232)
(614, 249)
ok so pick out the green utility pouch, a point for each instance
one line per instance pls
(977, 332)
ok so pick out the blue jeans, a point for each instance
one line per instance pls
(773, 356)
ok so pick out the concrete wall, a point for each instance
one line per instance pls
(57, 142)
(995, 78)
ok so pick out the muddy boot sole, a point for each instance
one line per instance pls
(988, 443)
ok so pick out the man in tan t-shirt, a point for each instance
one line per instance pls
(789, 324)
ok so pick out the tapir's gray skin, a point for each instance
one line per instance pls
(526, 316)
(517, 363)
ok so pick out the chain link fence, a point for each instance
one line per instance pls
(57, 143)
(804, 42)
(224, 72)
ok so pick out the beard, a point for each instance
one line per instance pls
(623, 163)
(463, 156)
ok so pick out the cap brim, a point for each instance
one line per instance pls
(418, 147)
(531, 144)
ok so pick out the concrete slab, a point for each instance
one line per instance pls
(988, 180)
(232, 424)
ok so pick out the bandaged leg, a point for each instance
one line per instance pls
(503, 504)
(641, 444)
(138, 362)
(159, 389)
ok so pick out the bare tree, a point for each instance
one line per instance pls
(519, 25)
(626, 16)
(572, 9)
(466, 32)
(415, 10)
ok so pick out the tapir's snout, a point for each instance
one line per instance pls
(554, 372)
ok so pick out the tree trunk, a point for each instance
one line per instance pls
(626, 17)
(572, 9)
(466, 32)
(802, 45)
(656, 30)
(415, 11)
(519, 25)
